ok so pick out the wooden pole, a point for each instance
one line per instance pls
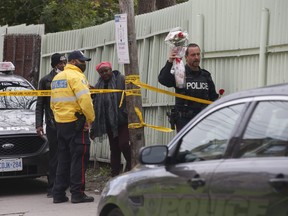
(136, 134)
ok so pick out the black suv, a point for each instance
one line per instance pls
(22, 152)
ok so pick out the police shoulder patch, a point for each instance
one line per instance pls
(59, 84)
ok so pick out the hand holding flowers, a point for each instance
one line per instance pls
(178, 40)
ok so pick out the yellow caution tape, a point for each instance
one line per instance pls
(95, 91)
(143, 124)
(122, 98)
(131, 78)
(199, 100)
(26, 93)
(133, 92)
(136, 81)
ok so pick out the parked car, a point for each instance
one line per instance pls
(231, 159)
(22, 152)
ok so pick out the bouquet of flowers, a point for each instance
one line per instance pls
(178, 40)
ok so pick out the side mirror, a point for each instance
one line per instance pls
(156, 154)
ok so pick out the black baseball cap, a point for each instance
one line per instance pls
(56, 58)
(77, 54)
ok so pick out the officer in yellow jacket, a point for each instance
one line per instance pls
(72, 106)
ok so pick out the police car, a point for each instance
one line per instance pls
(22, 152)
(231, 159)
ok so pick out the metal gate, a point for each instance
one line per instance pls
(24, 50)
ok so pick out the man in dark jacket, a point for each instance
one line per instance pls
(111, 119)
(58, 62)
(198, 83)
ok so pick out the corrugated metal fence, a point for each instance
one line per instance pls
(19, 30)
(244, 44)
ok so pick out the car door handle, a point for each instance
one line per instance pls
(279, 183)
(196, 182)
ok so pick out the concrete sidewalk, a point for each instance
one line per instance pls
(40, 205)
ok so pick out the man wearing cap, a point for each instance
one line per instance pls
(110, 118)
(58, 62)
(72, 106)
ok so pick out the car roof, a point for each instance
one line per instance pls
(271, 90)
(11, 77)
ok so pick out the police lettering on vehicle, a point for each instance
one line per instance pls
(198, 205)
(59, 84)
(197, 85)
(13, 128)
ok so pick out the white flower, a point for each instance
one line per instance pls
(177, 38)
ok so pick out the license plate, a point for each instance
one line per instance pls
(13, 164)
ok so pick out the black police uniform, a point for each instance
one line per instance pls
(43, 105)
(74, 152)
(199, 84)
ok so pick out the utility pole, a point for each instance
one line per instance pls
(136, 134)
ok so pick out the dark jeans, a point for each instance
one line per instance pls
(117, 145)
(53, 160)
(73, 157)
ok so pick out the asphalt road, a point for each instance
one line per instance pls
(27, 197)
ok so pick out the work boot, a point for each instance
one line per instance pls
(82, 199)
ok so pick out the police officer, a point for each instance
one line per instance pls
(198, 84)
(58, 62)
(71, 104)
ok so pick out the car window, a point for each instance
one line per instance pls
(267, 132)
(16, 102)
(208, 139)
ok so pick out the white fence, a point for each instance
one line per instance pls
(244, 44)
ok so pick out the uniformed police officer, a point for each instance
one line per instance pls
(73, 110)
(198, 84)
(58, 62)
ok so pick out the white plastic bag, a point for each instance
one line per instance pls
(179, 73)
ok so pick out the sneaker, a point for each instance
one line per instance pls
(82, 199)
(61, 200)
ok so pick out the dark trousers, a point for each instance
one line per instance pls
(184, 116)
(53, 159)
(73, 157)
(181, 122)
(117, 145)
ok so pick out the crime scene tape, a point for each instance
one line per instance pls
(128, 92)
(143, 124)
(26, 93)
(134, 79)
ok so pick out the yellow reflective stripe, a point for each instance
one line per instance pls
(82, 92)
(63, 99)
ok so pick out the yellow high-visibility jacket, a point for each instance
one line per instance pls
(69, 94)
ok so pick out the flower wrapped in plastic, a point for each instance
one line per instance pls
(178, 41)
(221, 92)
